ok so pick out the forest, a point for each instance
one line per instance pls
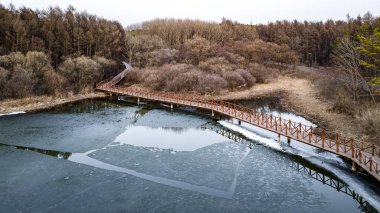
(55, 51)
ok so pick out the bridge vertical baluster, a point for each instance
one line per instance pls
(286, 130)
(235, 110)
(310, 134)
(276, 123)
(323, 138)
(271, 121)
(337, 143)
(258, 119)
(373, 149)
(345, 144)
(299, 127)
(352, 147)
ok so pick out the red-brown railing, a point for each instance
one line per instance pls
(364, 154)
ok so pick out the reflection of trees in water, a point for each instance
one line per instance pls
(53, 153)
(139, 113)
(86, 106)
(302, 166)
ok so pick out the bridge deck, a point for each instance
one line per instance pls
(365, 155)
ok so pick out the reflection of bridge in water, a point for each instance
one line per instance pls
(301, 166)
(235, 136)
(333, 183)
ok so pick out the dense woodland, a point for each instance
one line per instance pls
(57, 51)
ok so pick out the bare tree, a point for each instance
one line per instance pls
(347, 57)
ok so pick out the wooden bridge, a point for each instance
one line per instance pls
(363, 154)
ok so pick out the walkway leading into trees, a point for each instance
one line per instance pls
(363, 154)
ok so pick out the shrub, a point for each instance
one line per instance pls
(234, 79)
(262, 73)
(82, 73)
(216, 65)
(26, 75)
(211, 83)
(247, 76)
(21, 83)
(187, 81)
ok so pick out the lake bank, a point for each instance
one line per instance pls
(297, 95)
(42, 102)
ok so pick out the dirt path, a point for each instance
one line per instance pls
(41, 102)
(301, 97)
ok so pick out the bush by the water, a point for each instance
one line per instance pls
(202, 79)
(23, 75)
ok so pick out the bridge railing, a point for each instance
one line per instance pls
(365, 154)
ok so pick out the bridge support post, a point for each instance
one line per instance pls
(212, 113)
(239, 122)
(288, 140)
(279, 137)
(171, 106)
(138, 101)
(353, 168)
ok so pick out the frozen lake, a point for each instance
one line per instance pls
(108, 156)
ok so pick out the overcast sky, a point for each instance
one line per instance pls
(245, 11)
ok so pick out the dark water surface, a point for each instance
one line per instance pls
(108, 156)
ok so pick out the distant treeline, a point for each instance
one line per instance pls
(58, 51)
(59, 33)
(52, 52)
(314, 42)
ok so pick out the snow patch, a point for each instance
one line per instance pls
(268, 142)
(13, 113)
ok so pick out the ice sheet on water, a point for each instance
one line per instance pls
(163, 118)
(174, 139)
(313, 154)
(214, 166)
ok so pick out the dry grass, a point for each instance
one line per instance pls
(369, 118)
(304, 98)
(42, 102)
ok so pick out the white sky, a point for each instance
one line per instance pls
(245, 11)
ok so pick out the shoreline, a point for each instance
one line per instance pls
(37, 103)
(298, 96)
